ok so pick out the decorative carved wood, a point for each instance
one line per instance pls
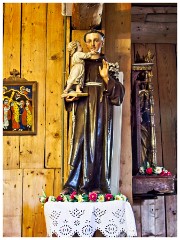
(86, 15)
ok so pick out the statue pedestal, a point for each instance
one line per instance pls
(66, 219)
(154, 185)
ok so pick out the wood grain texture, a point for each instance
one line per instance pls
(33, 60)
(137, 215)
(153, 218)
(163, 18)
(143, 184)
(57, 182)
(147, 32)
(148, 210)
(54, 87)
(171, 215)
(86, 15)
(167, 77)
(33, 221)
(12, 202)
(118, 49)
(153, 9)
(11, 60)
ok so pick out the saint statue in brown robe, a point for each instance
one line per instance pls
(91, 151)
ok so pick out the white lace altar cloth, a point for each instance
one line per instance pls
(113, 219)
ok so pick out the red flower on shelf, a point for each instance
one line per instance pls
(152, 169)
(165, 173)
(108, 197)
(73, 194)
(149, 170)
(93, 196)
(59, 199)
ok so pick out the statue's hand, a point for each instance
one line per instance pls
(104, 71)
(71, 99)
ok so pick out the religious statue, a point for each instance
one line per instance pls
(91, 149)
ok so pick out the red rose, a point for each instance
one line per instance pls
(162, 173)
(108, 197)
(93, 196)
(59, 199)
(73, 194)
(149, 170)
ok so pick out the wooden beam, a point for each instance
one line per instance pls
(162, 17)
(167, 78)
(153, 32)
(12, 199)
(11, 60)
(86, 15)
(152, 8)
(33, 67)
(54, 87)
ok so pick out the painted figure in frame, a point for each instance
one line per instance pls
(91, 149)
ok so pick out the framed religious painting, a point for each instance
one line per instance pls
(19, 107)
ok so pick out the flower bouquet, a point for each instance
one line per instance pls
(75, 197)
(153, 169)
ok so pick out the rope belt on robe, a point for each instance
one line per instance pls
(93, 84)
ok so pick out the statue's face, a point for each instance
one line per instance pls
(94, 41)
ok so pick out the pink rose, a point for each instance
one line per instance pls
(108, 197)
(73, 194)
(59, 199)
(93, 196)
(165, 173)
(169, 173)
(149, 170)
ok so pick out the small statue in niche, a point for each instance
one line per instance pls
(76, 76)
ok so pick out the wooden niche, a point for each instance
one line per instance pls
(143, 134)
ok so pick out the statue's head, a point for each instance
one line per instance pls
(94, 40)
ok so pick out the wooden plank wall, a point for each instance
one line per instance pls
(33, 43)
(158, 217)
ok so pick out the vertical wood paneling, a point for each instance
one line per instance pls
(118, 49)
(137, 215)
(11, 60)
(33, 213)
(167, 75)
(57, 182)
(152, 218)
(33, 59)
(54, 87)
(12, 203)
(142, 49)
(148, 218)
(11, 38)
(171, 215)
(160, 221)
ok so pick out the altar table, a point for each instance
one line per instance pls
(112, 218)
